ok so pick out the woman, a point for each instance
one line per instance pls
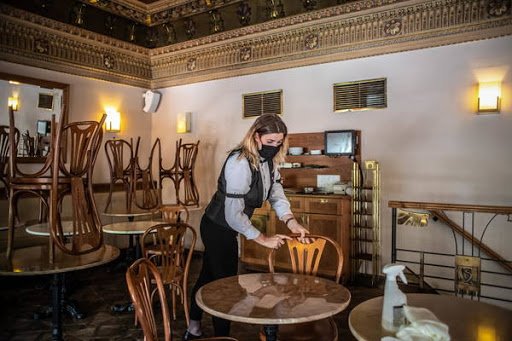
(248, 178)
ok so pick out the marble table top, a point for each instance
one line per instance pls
(42, 229)
(130, 227)
(466, 319)
(272, 299)
(35, 261)
(122, 211)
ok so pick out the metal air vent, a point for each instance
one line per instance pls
(266, 102)
(360, 95)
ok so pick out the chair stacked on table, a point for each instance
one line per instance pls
(68, 169)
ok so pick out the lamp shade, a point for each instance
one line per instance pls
(13, 103)
(113, 121)
(183, 123)
(489, 96)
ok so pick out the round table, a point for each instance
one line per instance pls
(273, 299)
(466, 319)
(33, 261)
(43, 229)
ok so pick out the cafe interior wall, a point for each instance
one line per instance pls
(430, 143)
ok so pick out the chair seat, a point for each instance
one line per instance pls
(40, 181)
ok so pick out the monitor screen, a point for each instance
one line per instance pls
(43, 127)
(340, 142)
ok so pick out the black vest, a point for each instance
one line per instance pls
(252, 199)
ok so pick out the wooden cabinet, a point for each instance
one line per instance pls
(327, 215)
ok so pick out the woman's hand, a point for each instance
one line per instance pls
(295, 227)
(272, 242)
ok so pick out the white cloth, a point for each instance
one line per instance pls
(423, 326)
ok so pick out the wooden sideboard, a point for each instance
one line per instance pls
(328, 215)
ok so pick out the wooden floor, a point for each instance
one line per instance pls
(95, 291)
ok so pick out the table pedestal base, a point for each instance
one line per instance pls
(270, 332)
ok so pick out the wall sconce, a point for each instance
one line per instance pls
(183, 122)
(489, 97)
(13, 102)
(113, 121)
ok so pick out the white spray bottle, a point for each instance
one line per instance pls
(394, 298)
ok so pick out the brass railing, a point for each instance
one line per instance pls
(475, 268)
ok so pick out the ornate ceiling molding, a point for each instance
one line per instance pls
(158, 12)
(407, 26)
(339, 33)
(41, 42)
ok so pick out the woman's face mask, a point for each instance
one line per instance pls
(269, 144)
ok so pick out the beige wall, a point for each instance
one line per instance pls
(430, 144)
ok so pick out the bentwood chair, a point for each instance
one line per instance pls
(146, 191)
(4, 155)
(36, 182)
(305, 259)
(140, 277)
(182, 173)
(167, 250)
(120, 154)
(83, 139)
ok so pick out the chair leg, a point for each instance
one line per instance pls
(10, 231)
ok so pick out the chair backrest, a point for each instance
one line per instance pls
(174, 213)
(83, 140)
(305, 258)
(139, 278)
(119, 155)
(5, 151)
(186, 154)
(168, 248)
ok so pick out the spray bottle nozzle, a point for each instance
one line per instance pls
(394, 270)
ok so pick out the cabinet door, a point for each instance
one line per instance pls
(325, 205)
(252, 252)
(321, 224)
(296, 203)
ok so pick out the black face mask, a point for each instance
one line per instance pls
(268, 152)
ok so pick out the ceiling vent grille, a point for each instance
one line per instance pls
(360, 95)
(266, 102)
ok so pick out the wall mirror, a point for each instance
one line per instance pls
(38, 100)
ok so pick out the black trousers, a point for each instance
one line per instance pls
(220, 259)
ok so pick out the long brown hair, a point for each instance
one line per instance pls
(265, 124)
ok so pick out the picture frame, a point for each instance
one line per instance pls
(45, 101)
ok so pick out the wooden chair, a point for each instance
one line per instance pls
(120, 154)
(83, 140)
(305, 259)
(171, 257)
(4, 155)
(149, 195)
(36, 182)
(174, 213)
(139, 277)
(182, 173)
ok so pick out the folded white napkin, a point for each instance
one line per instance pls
(423, 326)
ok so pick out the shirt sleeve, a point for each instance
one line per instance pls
(238, 175)
(277, 198)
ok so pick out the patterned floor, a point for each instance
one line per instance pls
(96, 290)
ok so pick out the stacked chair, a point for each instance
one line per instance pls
(61, 175)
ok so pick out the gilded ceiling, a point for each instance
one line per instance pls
(163, 43)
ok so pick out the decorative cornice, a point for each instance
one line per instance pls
(158, 12)
(406, 26)
(358, 29)
(42, 42)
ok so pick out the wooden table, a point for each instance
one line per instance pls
(34, 261)
(273, 299)
(466, 319)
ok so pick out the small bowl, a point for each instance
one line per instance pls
(295, 150)
(308, 189)
(315, 152)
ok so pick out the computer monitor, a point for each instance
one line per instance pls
(44, 127)
(340, 142)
